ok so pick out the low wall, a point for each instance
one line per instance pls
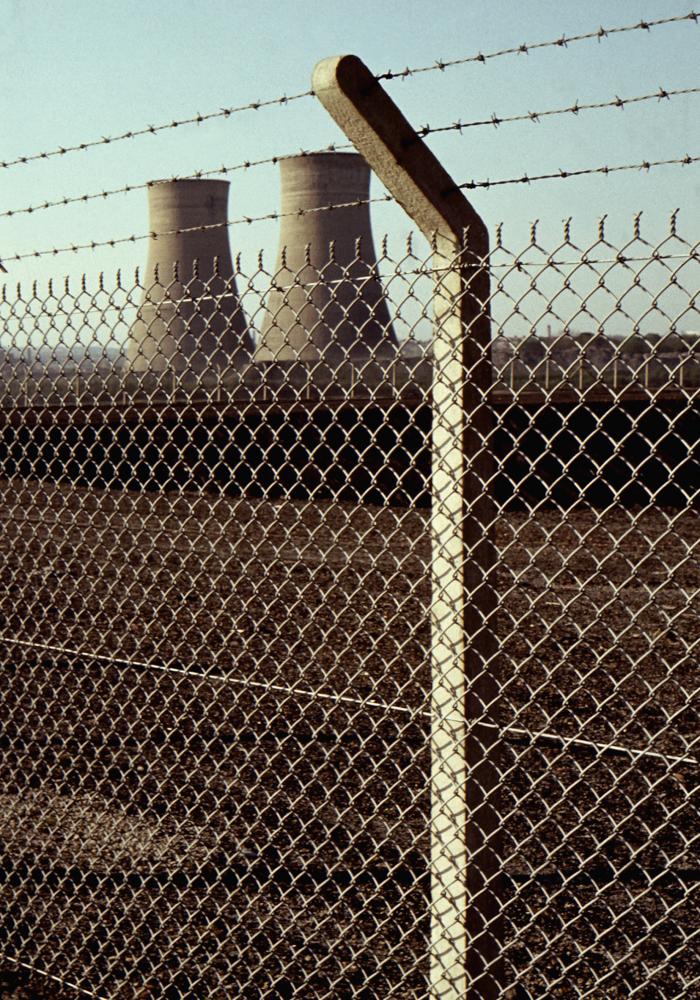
(562, 454)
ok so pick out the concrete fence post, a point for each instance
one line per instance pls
(465, 868)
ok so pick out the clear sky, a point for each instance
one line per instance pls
(75, 70)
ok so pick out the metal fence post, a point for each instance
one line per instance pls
(465, 867)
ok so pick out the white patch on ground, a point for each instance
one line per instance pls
(91, 831)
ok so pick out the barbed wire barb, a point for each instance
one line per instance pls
(424, 131)
(525, 48)
(284, 100)
(535, 116)
(562, 174)
(174, 123)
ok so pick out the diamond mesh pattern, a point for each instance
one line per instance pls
(216, 633)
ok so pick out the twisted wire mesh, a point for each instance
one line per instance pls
(216, 627)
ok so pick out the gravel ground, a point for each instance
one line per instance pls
(214, 761)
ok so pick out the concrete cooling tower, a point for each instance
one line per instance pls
(326, 301)
(189, 323)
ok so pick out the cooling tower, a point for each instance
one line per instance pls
(190, 318)
(326, 301)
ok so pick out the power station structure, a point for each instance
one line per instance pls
(326, 304)
(326, 318)
(190, 319)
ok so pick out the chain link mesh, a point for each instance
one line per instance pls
(216, 630)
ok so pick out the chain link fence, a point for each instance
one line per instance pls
(216, 628)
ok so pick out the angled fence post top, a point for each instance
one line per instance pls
(357, 102)
(465, 919)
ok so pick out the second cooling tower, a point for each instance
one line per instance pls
(326, 301)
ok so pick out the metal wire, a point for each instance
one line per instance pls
(509, 732)
(275, 216)
(65, 983)
(493, 265)
(218, 622)
(424, 131)
(584, 171)
(526, 47)
(196, 674)
(197, 119)
(244, 220)
(197, 174)
(574, 109)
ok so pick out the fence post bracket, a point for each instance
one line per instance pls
(413, 175)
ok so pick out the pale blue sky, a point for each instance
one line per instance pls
(74, 70)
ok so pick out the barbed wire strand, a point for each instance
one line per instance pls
(197, 119)
(274, 216)
(524, 49)
(574, 109)
(441, 64)
(333, 147)
(426, 130)
(244, 220)
(584, 171)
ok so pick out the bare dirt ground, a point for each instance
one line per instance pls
(214, 756)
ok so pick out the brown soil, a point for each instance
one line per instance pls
(216, 738)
